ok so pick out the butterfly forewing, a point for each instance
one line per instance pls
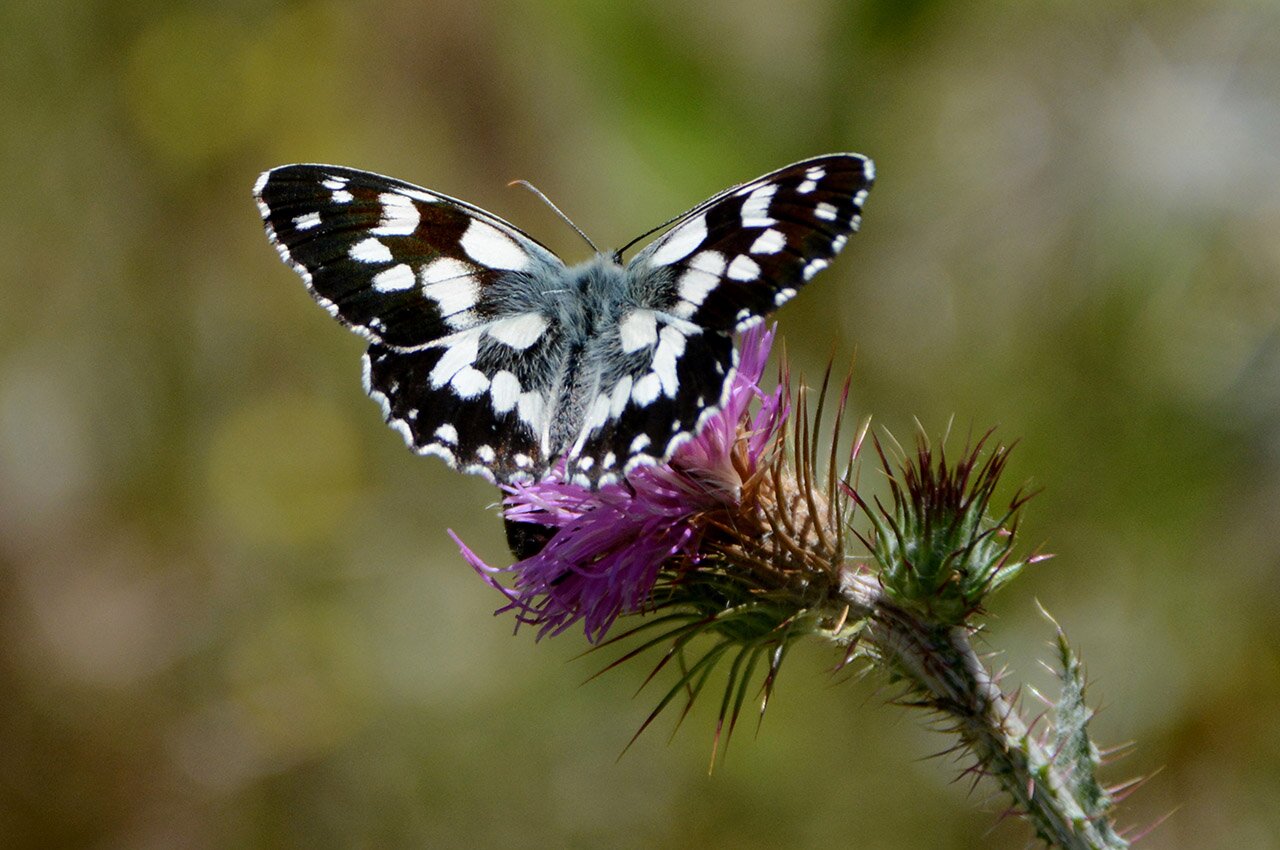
(396, 263)
(738, 256)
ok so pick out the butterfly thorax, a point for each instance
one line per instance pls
(592, 299)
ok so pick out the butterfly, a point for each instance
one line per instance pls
(488, 351)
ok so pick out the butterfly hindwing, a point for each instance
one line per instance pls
(741, 254)
(478, 402)
(659, 380)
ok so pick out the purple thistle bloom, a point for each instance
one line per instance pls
(608, 545)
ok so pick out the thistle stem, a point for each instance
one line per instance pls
(944, 671)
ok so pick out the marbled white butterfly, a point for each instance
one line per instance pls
(489, 352)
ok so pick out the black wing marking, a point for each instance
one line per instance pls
(738, 256)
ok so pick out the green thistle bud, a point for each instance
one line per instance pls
(939, 548)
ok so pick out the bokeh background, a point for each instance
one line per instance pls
(230, 615)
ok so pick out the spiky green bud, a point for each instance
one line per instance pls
(939, 548)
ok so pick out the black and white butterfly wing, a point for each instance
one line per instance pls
(720, 268)
(738, 256)
(464, 353)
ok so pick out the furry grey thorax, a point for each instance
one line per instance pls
(586, 301)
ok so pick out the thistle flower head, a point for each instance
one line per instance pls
(598, 553)
(740, 539)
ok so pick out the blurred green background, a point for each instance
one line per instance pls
(230, 614)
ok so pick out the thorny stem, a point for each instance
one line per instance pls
(941, 662)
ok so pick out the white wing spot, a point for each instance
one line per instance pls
(586, 462)
(505, 389)
(399, 216)
(621, 393)
(638, 329)
(335, 183)
(447, 434)
(696, 285)
(679, 243)
(446, 269)
(402, 428)
(813, 267)
(522, 460)
(816, 172)
(807, 186)
(395, 279)
(451, 284)
(469, 382)
(598, 414)
(640, 443)
(837, 244)
(755, 209)
(486, 453)
(744, 268)
(770, 242)
(483, 471)
(439, 451)
(489, 246)
(825, 211)
(342, 196)
(460, 355)
(418, 194)
(370, 251)
(306, 221)
(670, 348)
(646, 390)
(784, 295)
(609, 460)
(529, 407)
(711, 262)
(519, 332)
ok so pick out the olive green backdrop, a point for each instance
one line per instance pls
(230, 615)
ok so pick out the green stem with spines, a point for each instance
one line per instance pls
(941, 667)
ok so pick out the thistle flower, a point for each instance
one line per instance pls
(740, 539)
(601, 551)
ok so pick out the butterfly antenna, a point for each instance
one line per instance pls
(535, 190)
